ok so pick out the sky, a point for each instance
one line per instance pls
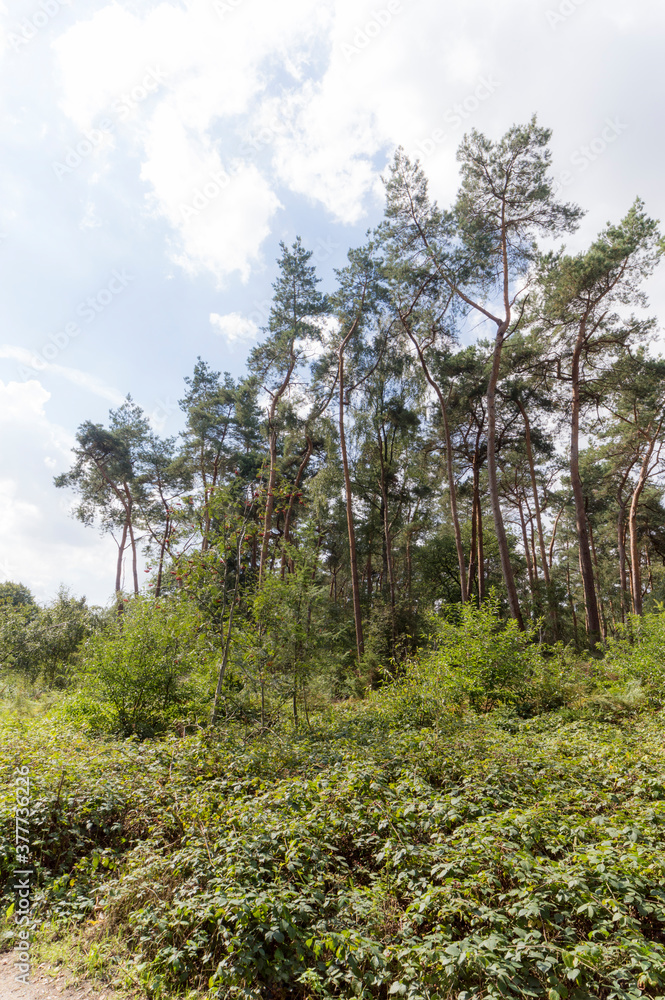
(154, 155)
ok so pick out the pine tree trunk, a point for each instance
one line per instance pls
(493, 482)
(632, 524)
(473, 551)
(481, 550)
(121, 552)
(289, 511)
(162, 552)
(270, 503)
(586, 566)
(387, 540)
(621, 546)
(527, 552)
(450, 471)
(603, 617)
(534, 490)
(353, 558)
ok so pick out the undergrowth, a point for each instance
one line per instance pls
(490, 856)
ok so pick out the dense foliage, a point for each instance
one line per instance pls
(359, 859)
(448, 837)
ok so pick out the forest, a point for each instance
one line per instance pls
(376, 705)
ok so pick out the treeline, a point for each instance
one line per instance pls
(467, 409)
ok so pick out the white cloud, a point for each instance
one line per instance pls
(210, 69)
(234, 327)
(30, 362)
(40, 544)
(221, 216)
(22, 400)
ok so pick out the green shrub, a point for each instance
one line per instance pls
(639, 655)
(44, 643)
(480, 660)
(138, 667)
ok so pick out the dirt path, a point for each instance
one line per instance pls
(43, 986)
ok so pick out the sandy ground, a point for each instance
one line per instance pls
(45, 984)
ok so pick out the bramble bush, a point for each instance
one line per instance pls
(433, 842)
(355, 859)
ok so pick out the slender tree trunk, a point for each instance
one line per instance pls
(121, 552)
(603, 616)
(649, 567)
(353, 558)
(570, 597)
(493, 480)
(550, 554)
(270, 503)
(387, 540)
(409, 568)
(632, 523)
(162, 551)
(481, 550)
(229, 629)
(534, 490)
(532, 541)
(289, 510)
(135, 569)
(272, 477)
(206, 499)
(527, 552)
(621, 546)
(450, 470)
(586, 565)
(473, 551)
